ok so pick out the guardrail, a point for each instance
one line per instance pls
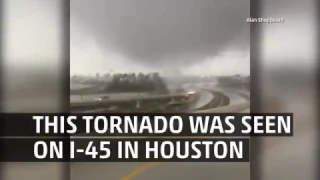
(98, 104)
(127, 99)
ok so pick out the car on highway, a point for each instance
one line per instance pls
(191, 92)
(102, 98)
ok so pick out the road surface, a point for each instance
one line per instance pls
(139, 171)
(204, 98)
(283, 158)
(167, 171)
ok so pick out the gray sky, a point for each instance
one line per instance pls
(170, 36)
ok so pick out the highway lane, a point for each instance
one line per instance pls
(204, 98)
(234, 98)
(219, 100)
(238, 100)
(233, 94)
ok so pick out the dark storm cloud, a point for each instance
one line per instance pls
(151, 31)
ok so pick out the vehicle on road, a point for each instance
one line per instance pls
(191, 92)
(102, 98)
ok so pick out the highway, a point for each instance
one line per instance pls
(170, 171)
(283, 158)
(161, 171)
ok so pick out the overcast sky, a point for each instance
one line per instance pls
(169, 36)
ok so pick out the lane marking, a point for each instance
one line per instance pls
(139, 170)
